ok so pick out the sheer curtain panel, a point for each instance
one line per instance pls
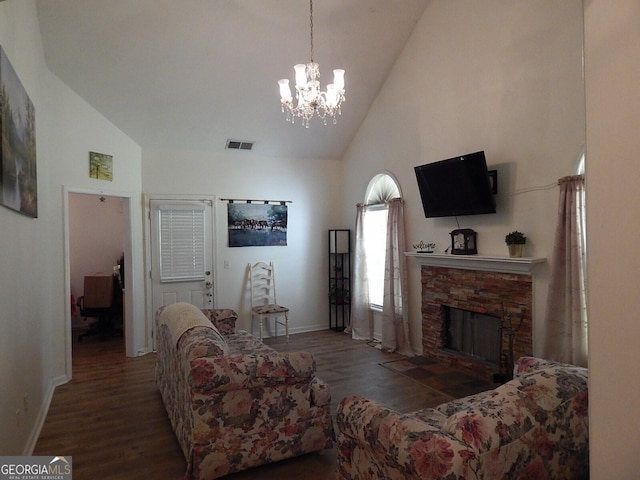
(565, 337)
(361, 327)
(395, 321)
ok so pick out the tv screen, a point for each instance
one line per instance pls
(456, 186)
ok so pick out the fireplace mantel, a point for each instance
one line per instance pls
(522, 266)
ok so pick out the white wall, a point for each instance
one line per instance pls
(416, 127)
(77, 130)
(500, 76)
(35, 326)
(315, 190)
(27, 300)
(612, 77)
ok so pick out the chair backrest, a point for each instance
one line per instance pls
(98, 291)
(263, 284)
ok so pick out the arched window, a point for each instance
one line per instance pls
(382, 188)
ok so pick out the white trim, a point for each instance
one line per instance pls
(42, 414)
(130, 260)
(522, 266)
(374, 179)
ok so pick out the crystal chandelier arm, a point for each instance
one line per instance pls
(332, 95)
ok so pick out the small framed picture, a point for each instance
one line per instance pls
(101, 166)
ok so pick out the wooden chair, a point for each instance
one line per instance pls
(263, 298)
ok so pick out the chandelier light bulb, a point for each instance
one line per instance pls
(311, 100)
(285, 90)
(338, 79)
(301, 75)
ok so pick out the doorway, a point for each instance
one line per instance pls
(96, 257)
(98, 238)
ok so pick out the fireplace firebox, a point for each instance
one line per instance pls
(474, 334)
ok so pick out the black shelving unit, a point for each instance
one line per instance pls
(339, 278)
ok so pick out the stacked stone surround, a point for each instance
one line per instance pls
(478, 291)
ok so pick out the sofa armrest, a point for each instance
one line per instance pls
(526, 365)
(234, 372)
(410, 443)
(223, 318)
(371, 423)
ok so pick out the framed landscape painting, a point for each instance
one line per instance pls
(256, 224)
(101, 166)
(18, 179)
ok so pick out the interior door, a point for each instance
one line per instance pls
(182, 240)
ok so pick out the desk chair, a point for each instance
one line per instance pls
(263, 298)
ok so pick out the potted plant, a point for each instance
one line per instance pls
(515, 241)
(339, 295)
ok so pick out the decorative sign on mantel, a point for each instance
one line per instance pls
(523, 265)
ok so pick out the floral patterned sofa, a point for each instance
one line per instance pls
(235, 403)
(532, 427)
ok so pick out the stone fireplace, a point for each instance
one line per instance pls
(474, 288)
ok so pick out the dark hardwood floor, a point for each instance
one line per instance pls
(111, 419)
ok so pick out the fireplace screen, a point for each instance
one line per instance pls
(474, 334)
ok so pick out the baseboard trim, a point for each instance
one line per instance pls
(42, 414)
(292, 330)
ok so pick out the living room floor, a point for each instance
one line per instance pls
(111, 420)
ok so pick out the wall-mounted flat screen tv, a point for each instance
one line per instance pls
(456, 186)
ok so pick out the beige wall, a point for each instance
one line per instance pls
(612, 77)
(500, 76)
(314, 188)
(508, 126)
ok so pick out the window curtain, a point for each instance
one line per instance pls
(395, 319)
(565, 337)
(361, 326)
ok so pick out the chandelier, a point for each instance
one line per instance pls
(311, 100)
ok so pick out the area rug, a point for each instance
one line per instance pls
(446, 381)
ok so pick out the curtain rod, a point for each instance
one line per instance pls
(231, 200)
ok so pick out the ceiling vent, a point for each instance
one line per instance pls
(239, 145)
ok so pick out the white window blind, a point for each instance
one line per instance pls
(182, 252)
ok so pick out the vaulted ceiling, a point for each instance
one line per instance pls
(190, 74)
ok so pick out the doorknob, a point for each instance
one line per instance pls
(207, 272)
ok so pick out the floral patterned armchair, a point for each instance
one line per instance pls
(533, 427)
(235, 403)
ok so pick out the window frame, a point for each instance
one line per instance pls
(382, 187)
